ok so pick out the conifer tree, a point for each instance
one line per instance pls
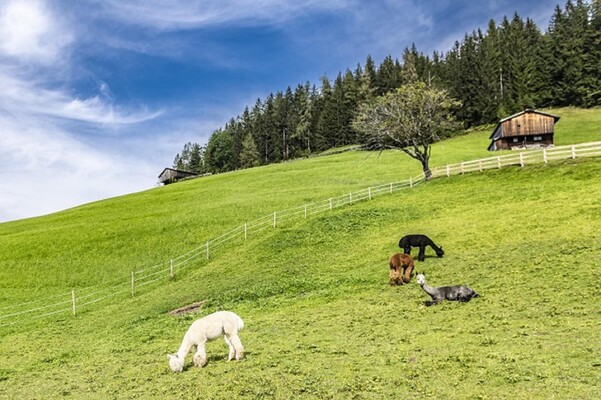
(367, 81)
(301, 136)
(388, 77)
(592, 68)
(218, 154)
(249, 156)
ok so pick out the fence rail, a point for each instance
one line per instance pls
(521, 158)
(78, 300)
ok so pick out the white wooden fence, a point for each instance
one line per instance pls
(77, 300)
(521, 158)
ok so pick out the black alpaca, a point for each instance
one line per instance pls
(420, 241)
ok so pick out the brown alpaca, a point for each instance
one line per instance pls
(401, 266)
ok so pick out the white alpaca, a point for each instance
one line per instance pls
(211, 327)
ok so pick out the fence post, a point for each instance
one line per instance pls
(133, 284)
(207, 249)
(448, 170)
(545, 154)
(499, 162)
(171, 274)
(410, 182)
(480, 165)
(369, 192)
(521, 159)
(245, 230)
(305, 210)
(462, 168)
(330, 203)
(573, 151)
(73, 300)
(390, 187)
(274, 219)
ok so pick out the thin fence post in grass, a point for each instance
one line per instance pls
(448, 170)
(207, 249)
(390, 187)
(521, 159)
(245, 230)
(274, 218)
(133, 284)
(171, 269)
(305, 210)
(73, 300)
(573, 151)
(330, 203)
(545, 155)
(499, 162)
(462, 169)
(369, 192)
(480, 165)
(410, 182)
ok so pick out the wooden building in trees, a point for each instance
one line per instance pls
(526, 129)
(170, 175)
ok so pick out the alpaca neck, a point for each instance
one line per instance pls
(432, 291)
(434, 246)
(184, 348)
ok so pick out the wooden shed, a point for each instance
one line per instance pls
(170, 175)
(526, 129)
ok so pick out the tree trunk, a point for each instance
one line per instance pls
(426, 168)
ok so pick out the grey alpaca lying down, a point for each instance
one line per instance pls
(452, 293)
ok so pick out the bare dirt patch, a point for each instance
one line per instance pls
(190, 308)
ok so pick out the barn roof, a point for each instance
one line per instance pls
(498, 131)
(178, 171)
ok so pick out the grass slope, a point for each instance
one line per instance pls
(321, 321)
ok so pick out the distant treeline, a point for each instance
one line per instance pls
(510, 67)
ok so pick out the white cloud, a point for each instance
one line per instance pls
(183, 14)
(32, 32)
(27, 96)
(44, 169)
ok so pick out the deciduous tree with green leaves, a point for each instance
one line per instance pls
(411, 119)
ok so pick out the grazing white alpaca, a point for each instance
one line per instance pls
(211, 327)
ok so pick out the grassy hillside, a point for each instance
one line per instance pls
(321, 320)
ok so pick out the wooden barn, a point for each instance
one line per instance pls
(526, 129)
(170, 175)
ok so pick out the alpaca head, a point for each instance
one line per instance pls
(440, 252)
(175, 363)
(420, 278)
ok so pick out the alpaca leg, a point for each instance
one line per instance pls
(235, 340)
(200, 357)
(395, 277)
(407, 249)
(232, 353)
(422, 253)
(407, 275)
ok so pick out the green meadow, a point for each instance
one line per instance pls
(321, 321)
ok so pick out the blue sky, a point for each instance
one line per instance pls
(97, 96)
